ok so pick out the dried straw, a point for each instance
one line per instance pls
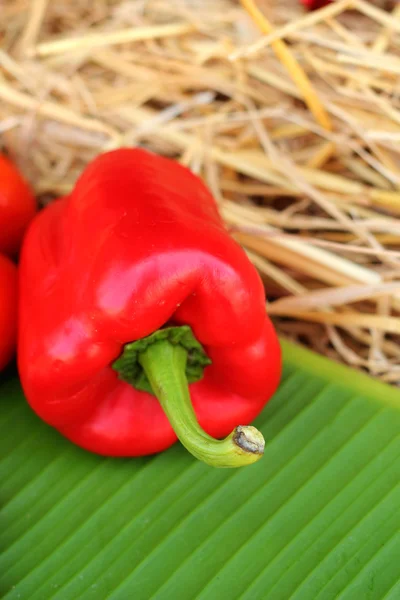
(292, 118)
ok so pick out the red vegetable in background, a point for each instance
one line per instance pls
(131, 288)
(315, 4)
(17, 206)
(8, 309)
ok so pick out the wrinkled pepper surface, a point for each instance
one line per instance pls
(141, 320)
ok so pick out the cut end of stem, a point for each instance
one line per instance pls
(244, 446)
(249, 440)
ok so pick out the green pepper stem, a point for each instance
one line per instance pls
(164, 365)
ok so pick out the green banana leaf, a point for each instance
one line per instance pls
(317, 518)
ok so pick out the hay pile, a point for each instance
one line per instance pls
(293, 119)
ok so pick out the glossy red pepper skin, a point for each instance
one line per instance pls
(139, 243)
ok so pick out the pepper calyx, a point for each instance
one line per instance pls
(130, 369)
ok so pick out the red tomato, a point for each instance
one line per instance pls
(315, 4)
(8, 309)
(17, 206)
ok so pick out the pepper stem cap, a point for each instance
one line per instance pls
(164, 365)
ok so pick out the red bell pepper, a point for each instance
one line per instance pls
(131, 288)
